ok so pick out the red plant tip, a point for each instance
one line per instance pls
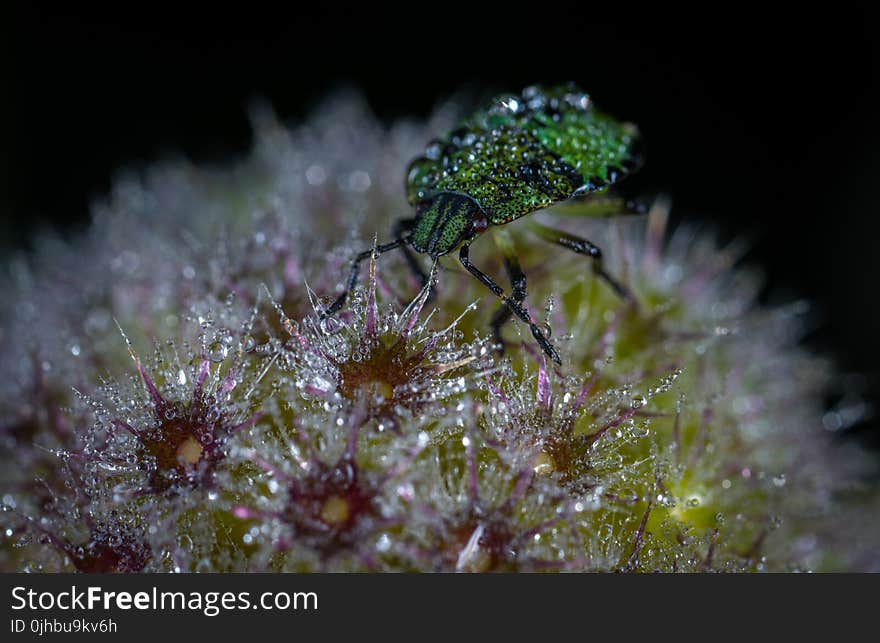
(243, 513)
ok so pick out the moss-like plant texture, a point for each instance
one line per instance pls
(171, 400)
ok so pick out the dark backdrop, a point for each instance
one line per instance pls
(757, 120)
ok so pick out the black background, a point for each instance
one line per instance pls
(759, 121)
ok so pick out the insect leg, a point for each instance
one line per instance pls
(517, 281)
(582, 247)
(355, 269)
(515, 306)
(600, 206)
(403, 226)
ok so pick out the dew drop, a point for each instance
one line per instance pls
(641, 430)
(330, 325)
(217, 352)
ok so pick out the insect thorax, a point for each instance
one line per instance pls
(444, 221)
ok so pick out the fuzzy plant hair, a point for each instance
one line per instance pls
(171, 398)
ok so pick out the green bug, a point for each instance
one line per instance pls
(518, 155)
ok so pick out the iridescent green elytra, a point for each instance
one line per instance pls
(518, 155)
(521, 154)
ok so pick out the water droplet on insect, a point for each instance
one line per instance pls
(434, 150)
